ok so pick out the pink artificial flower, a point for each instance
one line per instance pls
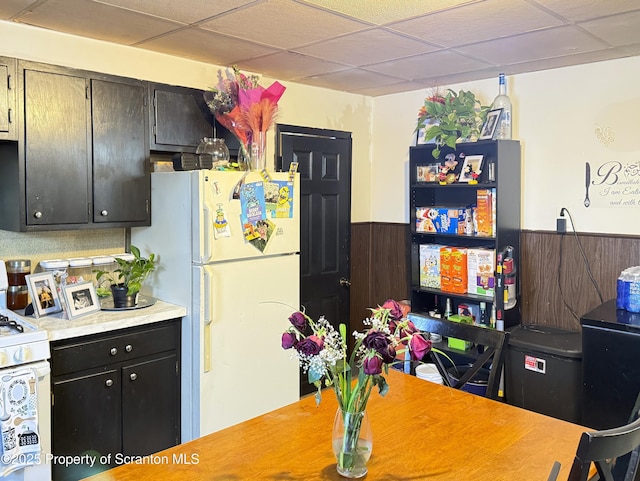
(419, 347)
(372, 366)
(395, 311)
(288, 340)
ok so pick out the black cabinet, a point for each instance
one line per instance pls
(180, 119)
(7, 98)
(425, 192)
(81, 160)
(115, 394)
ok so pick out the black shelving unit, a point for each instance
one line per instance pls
(504, 155)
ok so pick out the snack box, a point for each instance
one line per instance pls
(441, 220)
(430, 265)
(470, 310)
(459, 344)
(481, 271)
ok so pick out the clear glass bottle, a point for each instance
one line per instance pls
(502, 101)
(484, 315)
(447, 310)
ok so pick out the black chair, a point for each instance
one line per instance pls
(494, 342)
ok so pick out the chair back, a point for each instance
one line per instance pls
(603, 448)
(494, 342)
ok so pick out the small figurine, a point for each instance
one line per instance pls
(446, 175)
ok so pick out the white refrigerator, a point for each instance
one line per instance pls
(238, 293)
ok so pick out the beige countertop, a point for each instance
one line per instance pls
(59, 328)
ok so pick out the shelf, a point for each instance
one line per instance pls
(456, 185)
(455, 295)
(455, 236)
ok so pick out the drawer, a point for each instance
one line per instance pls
(89, 352)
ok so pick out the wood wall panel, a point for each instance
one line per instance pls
(556, 288)
(379, 266)
(554, 291)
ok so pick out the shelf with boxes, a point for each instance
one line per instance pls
(460, 223)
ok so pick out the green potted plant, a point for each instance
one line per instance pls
(453, 116)
(125, 281)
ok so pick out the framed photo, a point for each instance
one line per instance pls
(471, 168)
(44, 294)
(489, 127)
(427, 173)
(81, 299)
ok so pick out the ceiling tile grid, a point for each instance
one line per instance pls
(362, 46)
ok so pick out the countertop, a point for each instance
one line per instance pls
(606, 316)
(59, 328)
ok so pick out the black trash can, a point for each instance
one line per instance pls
(543, 371)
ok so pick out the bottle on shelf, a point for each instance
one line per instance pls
(447, 309)
(492, 317)
(484, 315)
(502, 101)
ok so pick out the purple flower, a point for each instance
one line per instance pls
(395, 311)
(419, 347)
(372, 366)
(288, 340)
(298, 321)
(377, 341)
(310, 346)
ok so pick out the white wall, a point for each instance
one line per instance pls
(557, 114)
(301, 105)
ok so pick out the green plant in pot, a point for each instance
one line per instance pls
(453, 116)
(126, 281)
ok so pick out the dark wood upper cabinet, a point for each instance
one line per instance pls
(82, 156)
(179, 118)
(7, 98)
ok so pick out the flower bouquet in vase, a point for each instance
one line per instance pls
(322, 354)
(247, 110)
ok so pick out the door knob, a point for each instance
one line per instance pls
(345, 282)
(133, 376)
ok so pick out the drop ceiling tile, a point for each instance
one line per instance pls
(290, 66)
(262, 23)
(189, 11)
(9, 8)
(98, 21)
(383, 12)
(391, 89)
(623, 29)
(442, 62)
(206, 46)
(568, 60)
(577, 11)
(356, 48)
(556, 42)
(348, 80)
(478, 22)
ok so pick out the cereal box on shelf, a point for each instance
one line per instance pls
(441, 220)
(453, 269)
(480, 271)
(484, 213)
(430, 265)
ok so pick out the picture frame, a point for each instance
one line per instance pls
(44, 294)
(427, 173)
(472, 164)
(81, 299)
(489, 128)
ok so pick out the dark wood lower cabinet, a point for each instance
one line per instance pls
(115, 395)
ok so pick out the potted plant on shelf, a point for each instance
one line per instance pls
(125, 281)
(450, 117)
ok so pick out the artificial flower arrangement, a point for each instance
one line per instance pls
(322, 354)
(452, 116)
(245, 108)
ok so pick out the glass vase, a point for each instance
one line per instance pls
(352, 443)
(258, 151)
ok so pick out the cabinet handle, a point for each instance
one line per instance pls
(10, 116)
(128, 348)
(37, 214)
(104, 213)
(133, 376)
(113, 351)
(108, 383)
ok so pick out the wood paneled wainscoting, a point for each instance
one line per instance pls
(556, 288)
(379, 266)
(555, 285)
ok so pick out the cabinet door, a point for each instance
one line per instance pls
(7, 98)
(85, 419)
(150, 406)
(180, 118)
(121, 180)
(56, 149)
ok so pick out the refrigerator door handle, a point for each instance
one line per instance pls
(208, 318)
(207, 233)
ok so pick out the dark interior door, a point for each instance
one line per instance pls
(324, 163)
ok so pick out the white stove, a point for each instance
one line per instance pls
(20, 341)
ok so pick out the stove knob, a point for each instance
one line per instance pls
(22, 354)
(4, 359)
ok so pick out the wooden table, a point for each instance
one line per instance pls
(422, 431)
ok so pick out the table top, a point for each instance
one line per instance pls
(421, 430)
